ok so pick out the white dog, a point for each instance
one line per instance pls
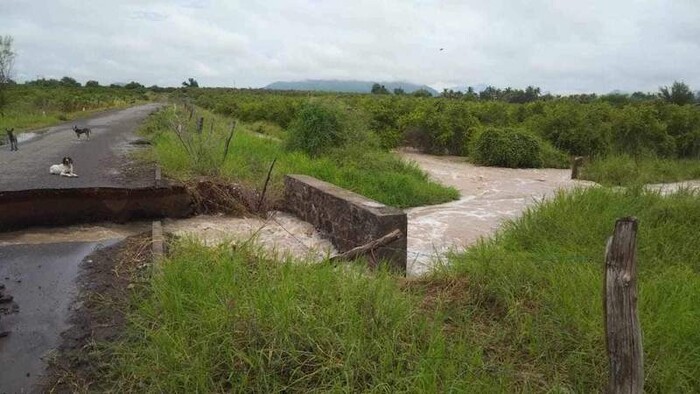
(63, 169)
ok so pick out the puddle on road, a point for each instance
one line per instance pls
(42, 281)
(489, 196)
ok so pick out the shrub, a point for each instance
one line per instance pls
(439, 127)
(322, 126)
(507, 147)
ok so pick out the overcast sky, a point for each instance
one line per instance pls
(560, 45)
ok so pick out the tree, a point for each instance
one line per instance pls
(490, 93)
(190, 83)
(133, 85)
(470, 94)
(399, 91)
(422, 93)
(92, 84)
(7, 60)
(379, 89)
(679, 93)
(70, 82)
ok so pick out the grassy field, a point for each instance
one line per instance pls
(621, 170)
(520, 312)
(371, 172)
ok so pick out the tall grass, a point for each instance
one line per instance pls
(223, 320)
(519, 312)
(623, 170)
(376, 174)
(546, 271)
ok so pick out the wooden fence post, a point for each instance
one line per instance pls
(575, 165)
(623, 334)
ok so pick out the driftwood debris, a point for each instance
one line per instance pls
(368, 247)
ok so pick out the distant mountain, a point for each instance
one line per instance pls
(334, 85)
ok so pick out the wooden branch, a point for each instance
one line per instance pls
(228, 141)
(368, 247)
(262, 195)
(622, 331)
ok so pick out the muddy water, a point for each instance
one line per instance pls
(280, 234)
(489, 196)
(670, 188)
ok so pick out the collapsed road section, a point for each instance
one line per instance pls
(58, 207)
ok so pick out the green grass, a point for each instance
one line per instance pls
(375, 174)
(222, 320)
(623, 170)
(521, 312)
(546, 271)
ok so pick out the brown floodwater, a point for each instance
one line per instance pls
(489, 196)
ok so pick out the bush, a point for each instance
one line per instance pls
(507, 147)
(321, 126)
(439, 127)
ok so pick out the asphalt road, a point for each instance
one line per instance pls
(99, 162)
(42, 281)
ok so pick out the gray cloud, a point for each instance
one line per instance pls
(562, 46)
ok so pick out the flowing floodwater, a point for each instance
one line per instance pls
(489, 196)
(280, 234)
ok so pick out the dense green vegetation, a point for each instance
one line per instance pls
(355, 166)
(521, 312)
(638, 125)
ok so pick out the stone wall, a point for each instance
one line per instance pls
(56, 207)
(347, 219)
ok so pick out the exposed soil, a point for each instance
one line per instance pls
(107, 281)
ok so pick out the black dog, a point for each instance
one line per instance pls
(13, 139)
(79, 131)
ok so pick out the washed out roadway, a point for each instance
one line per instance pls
(41, 277)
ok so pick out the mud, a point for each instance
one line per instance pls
(41, 279)
(108, 279)
(489, 196)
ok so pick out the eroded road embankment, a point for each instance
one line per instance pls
(489, 196)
